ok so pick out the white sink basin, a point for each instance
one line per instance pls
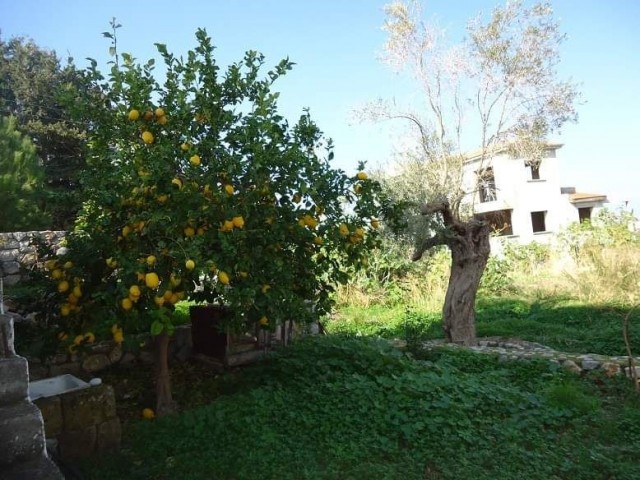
(50, 387)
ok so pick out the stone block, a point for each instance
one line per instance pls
(40, 469)
(10, 252)
(51, 409)
(14, 379)
(90, 406)
(95, 363)
(76, 444)
(116, 353)
(21, 433)
(611, 369)
(9, 268)
(11, 280)
(109, 435)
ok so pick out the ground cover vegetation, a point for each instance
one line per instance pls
(338, 407)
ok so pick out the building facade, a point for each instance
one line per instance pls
(525, 202)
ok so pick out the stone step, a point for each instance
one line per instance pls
(14, 380)
(21, 433)
(40, 469)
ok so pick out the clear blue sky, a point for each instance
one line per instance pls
(334, 44)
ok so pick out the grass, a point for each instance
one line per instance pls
(341, 407)
(565, 325)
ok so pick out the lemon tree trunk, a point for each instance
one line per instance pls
(164, 400)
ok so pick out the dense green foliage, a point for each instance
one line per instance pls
(340, 408)
(32, 84)
(21, 181)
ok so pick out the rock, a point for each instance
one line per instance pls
(109, 435)
(95, 363)
(116, 353)
(11, 280)
(590, 364)
(10, 268)
(90, 406)
(572, 366)
(77, 444)
(51, 409)
(611, 369)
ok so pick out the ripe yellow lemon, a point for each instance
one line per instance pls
(151, 280)
(151, 260)
(318, 240)
(177, 182)
(264, 321)
(375, 224)
(266, 287)
(358, 189)
(148, 115)
(229, 189)
(89, 337)
(175, 280)
(344, 230)
(126, 304)
(162, 199)
(185, 146)
(362, 176)
(77, 291)
(134, 291)
(159, 112)
(167, 295)
(134, 115)
(65, 310)
(78, 340)
(190, 264)
(50, 264)
(195, 160)
(63, 286)
(159, 301)
(148, 413)
(147, 137)
(126, 230)
(56, 274)
(162, 120)
(118, 336)
(238, 222)
(67, 265)
(223, 277)
(189, 232)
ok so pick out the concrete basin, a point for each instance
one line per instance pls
(50, 387)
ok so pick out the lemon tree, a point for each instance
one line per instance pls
(199, 189)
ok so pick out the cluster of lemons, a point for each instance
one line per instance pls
(71, 287)
(159, 115)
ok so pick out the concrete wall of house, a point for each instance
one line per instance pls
(517, 191)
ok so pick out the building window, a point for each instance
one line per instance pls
(499, 221)
(538, 221)
(584, 214)
(534, 169)
(486, 185)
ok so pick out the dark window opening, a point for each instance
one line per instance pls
(534, 168)
(584, 214)
(538, 221)
(500, 221)
(486, 185)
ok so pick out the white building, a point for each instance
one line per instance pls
(524, 202)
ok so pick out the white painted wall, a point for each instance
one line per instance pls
(522, 195)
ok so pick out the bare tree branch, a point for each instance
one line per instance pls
(426, 245)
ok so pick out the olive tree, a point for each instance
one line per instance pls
(497, 90)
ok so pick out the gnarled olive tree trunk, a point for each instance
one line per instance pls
(470, 249)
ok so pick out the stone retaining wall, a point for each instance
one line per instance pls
(106, 354)
(18, 252)
(576, 362)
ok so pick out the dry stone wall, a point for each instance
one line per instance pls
(18, 252)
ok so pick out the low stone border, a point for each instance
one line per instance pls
(513, 350)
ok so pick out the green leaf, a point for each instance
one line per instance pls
(157, 327)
